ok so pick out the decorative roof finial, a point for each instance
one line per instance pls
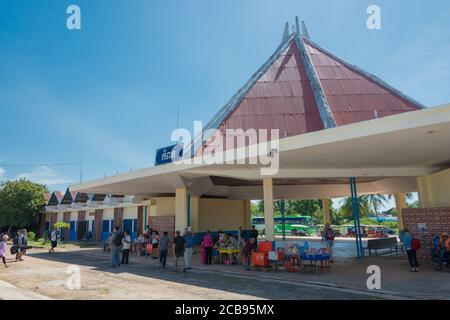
(297, 27)
(286, 32)
(305, 30)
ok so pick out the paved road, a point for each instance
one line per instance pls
(46, 275)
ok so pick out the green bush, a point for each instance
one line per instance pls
(31, 235)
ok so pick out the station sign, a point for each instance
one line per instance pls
(169, 154)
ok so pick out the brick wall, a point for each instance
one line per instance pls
(118, 218)
(436, 220)
(164, 223)
(98, 224)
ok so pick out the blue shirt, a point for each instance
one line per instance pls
(407, 240)
(189, 240)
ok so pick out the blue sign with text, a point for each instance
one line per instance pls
(168, 154)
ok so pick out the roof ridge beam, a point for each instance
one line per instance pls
(319, 95)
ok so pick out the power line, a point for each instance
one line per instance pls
(58, 164)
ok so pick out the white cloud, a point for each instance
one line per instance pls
(45, 175)
(2, 172)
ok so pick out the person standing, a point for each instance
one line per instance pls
(407, 239)
(116, 245)
(53, 241)
(208, 245)
(21, 242)
(188, 247)
(155, 244)
(126, 242)
(163, 248)
(328, 237)
(178, 249)
(247, 250)
(254, 234)
(241, 238)
(3, 244)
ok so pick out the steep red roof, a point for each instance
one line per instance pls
(352, 95)
(282, 99)
(304, 88)
(47, 196)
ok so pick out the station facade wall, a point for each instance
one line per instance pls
(426, 223)
(434, 190)
(159, 213)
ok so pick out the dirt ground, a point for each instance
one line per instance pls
(46, 275)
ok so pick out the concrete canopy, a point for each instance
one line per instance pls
(385, 155)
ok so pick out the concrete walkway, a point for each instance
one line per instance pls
(10, 292)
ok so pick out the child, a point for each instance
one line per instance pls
(3, 249)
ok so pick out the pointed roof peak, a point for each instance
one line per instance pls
(289, 31)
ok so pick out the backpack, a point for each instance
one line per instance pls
(329, 234)
(16, 241)
(415, 244)
(118, 239)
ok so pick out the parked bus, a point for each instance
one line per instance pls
(295, 225)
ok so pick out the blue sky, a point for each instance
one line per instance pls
(108, 93)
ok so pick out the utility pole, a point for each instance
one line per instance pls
(81, 170)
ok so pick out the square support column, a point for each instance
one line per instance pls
(400, 204)
(194, 214)
(248, 215)
(326, 211)
(268, 208)
(180, 209)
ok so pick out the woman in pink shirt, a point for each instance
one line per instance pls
(208, 245)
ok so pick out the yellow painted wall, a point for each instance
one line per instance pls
(73, 215)
(434, 190)
(108, 214)
(224, 214)
(130, 213)
(165, 206)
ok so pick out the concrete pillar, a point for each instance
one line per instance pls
(424, 192)
(326, 211)
(268, 208)
(248, 215)
(180, 209)
(400, 204)
(195, 222)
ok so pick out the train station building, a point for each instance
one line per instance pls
(334, 120)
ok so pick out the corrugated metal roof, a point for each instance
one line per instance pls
(353, 96)
(280, 99)
(280, 96)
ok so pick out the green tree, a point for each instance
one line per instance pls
(20, 203)
(346, 208)
(255, 209)
(303, 207)
(376, 201)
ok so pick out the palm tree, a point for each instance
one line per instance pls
(376, 201)
(346, 208)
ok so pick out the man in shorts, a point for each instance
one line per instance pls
(53, 241)
(178, 249)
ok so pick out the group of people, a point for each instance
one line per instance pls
(441, 249)
(158, 246)
(120, 243)
(229, 241)
(20, 244)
